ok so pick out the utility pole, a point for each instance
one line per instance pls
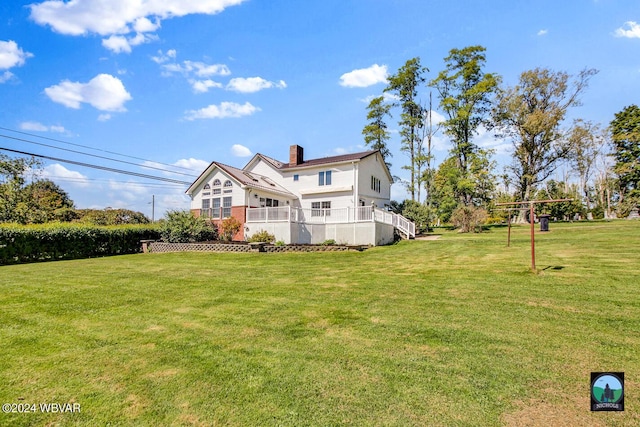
(153, 208)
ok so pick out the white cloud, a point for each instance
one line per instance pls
(104, 117)
(39, 127)
(630, 29)
(364, 77)
(199, 69)
(104, 92)
(117, 44)
(128, 189)
(120, 44)
(202, 86)
(144, 25)
(386, 96)
(195, 165)
(118, 17)
(6, 76)
(240, 151)
(164, 57)
(11, 55)
(222, 111)
(543, 32)
(58, 172)
(253, 84)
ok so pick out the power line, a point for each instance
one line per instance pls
(95, 155)
(105, 168)
(92, 148)
(110, 181)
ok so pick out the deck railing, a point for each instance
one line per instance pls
(331, 216)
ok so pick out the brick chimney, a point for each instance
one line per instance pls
(295, 155)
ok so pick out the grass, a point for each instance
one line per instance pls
(452, 332)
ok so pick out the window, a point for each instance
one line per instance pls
(324, 178)
(320, 208)
(217, 191)
(226, 207)
(206, 203)
(296, 177)
(375, 184)
(227, 187)
(269, 203)
(206, 187)
(228, 183)
(215, 208)
(216, 183)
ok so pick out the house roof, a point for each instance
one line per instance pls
(246, 179)
(327, 160)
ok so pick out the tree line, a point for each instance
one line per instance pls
(531, 115)
(38, 200)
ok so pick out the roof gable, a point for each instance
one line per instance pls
(241, 177)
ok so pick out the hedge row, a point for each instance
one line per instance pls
(49, 242)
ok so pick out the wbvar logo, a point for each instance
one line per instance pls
(607, 391)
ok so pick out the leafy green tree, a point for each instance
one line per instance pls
(445, 184)
(45, 199)
(404, 85)
(375, 132)
(560, 210)
(14, 201)
(111, 216)
(625, 135)
(450, 181)
(465, 97)
(586, 141)
(531, 114)
(418, 213)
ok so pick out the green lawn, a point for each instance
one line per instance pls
(456, 331)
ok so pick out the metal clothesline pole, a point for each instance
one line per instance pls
(531, 222)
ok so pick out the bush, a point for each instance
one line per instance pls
(262, 236)
(53, 241)
(469, 218)
(183, 227)
(230, 228)
(329, 242)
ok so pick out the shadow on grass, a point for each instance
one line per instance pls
(554, 267)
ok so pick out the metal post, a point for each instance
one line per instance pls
(533, 243)
(509, 228)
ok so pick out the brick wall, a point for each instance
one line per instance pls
(238, 212)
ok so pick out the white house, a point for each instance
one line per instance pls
(342, 198)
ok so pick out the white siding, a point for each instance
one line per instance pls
(373, 166)
(237, 193)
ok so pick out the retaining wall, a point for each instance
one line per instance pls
(160, 247)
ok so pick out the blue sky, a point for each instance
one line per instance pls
(187, 82)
